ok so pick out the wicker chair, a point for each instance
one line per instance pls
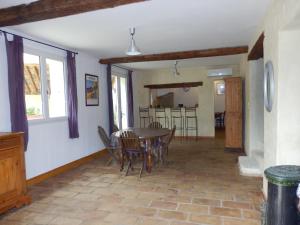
(115, 128)
(112, 150)
(131, 149)
(155, 125)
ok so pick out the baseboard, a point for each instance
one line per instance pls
(194, 137)
(64, 168)
(235, 150)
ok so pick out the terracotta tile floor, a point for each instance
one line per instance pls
(200, 185)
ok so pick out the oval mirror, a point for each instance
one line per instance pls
(269, 86)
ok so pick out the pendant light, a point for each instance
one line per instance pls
(133, 49)
(175, 71)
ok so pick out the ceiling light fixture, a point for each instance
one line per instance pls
(133, 49)
(176, 73)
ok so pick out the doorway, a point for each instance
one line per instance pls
(219, 108)
(119, 96)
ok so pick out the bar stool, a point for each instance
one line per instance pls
(160, 114)
(191, 115)
(145, 116)
(176, 115)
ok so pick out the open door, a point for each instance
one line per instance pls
(234, 113)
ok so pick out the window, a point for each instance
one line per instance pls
(44, 86)
(119, 95)
(33, 97)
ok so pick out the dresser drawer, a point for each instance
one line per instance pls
(10, 142)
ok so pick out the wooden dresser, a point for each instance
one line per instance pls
(12, 172)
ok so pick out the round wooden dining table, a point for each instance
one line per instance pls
(146, 135)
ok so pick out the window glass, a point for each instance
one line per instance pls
(124, 103)
(33, 97)
(55, 88)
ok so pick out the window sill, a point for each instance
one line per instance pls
(49, 120)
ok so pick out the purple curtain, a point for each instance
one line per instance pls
(14, 51)
(109, 99)
(130, 100)
(72, 96)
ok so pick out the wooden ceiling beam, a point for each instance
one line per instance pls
(257, 51)
(49, 9)
(174, 85)
(178, 55)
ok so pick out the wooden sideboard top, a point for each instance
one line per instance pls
(4, 135)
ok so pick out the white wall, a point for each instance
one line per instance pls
(255, 107)
(281, 126)
(49, 144)
(141, 95)
(188, 74)
(288, 98)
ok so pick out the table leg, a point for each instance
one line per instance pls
(149, 155)
(159, 153)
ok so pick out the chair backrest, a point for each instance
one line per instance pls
(160, 112)
(191, 112)
(129, 141)
(115, 128)
(176, 112)
(155, 125)
(168, 138)
(144, 112)
(103, 136)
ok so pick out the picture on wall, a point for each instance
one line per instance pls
(91, 90)
(220, 88)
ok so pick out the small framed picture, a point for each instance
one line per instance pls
(91, 90)
(220, 88)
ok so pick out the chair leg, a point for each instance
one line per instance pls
(186, 127)
(122, 161)
(132, 158)
(160, 154)
(163, 152)
(143, 165)
(141, 171)
(127, 170)
(132, 168)
(196, 129)
(109, 162)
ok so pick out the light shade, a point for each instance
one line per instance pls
(133, 49)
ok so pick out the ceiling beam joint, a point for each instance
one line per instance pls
(257, 51)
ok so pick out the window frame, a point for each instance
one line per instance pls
(43, 55)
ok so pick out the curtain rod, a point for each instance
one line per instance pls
(124, 68)
(29, 39)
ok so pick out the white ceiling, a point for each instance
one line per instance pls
(161, 26)
(198, 62)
